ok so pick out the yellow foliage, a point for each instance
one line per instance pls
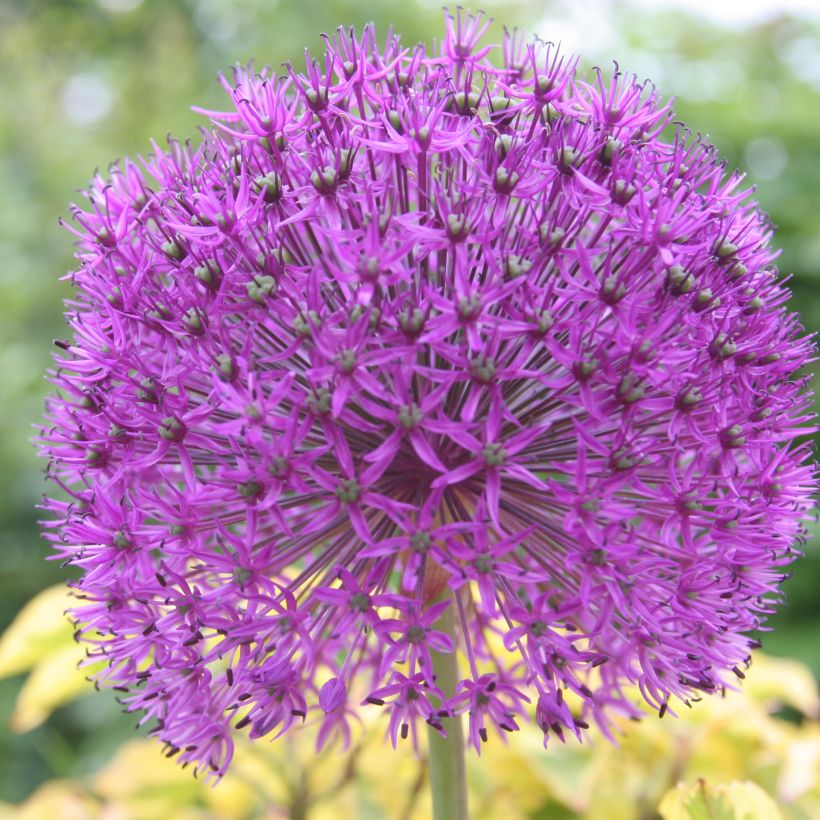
(784, 681)
(54, 681)
(39, 629)
(730, 801)
(55, 800)
(732, 758)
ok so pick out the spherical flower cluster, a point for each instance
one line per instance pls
(413, 331)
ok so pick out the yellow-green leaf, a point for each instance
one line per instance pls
(728, 801)
(54, 681)
(57, 799)
(783, 681)
(39, 628)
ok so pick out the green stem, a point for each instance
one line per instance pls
(448, 781)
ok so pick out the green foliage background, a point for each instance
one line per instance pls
(85, 81)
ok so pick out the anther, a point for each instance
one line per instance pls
(270, 186)
(567, 159)
(679, 280)
(543, 322)
(505, 180)
(173, 249)
(585, 368)
(171, 429)
(469, 308)
(318, 401)
(193, 321)
(304, 322)
(250, 490)
(410, 415)
(705, 299)
(260, 287)
(549, 114)
(612, 291)
(279, 467)
(609, 149)
(225, 367)
(732, 437)
(622, 459)
(494, 454)
(420, 541)
(550, 236)
(346, 361)
(544, 85)
(456, 227)
(688, 399)
(369, 269)
(209, 274)
(515, 266)
(324, 181)
(241, 575)
(121, 540)
(629, 389)
(482, 369)
(502, 145)
(725, 249)
(359, 602)
(412, 321)
(463, 102)
(722, 347)
(622, 191)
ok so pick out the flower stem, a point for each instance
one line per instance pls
(448, 781)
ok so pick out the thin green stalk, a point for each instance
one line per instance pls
(448, 780)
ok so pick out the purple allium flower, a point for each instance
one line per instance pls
(412, 331)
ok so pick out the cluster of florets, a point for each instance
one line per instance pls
(412, 331)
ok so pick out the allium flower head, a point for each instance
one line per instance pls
(412, 331)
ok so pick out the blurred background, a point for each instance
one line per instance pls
(83, 82)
